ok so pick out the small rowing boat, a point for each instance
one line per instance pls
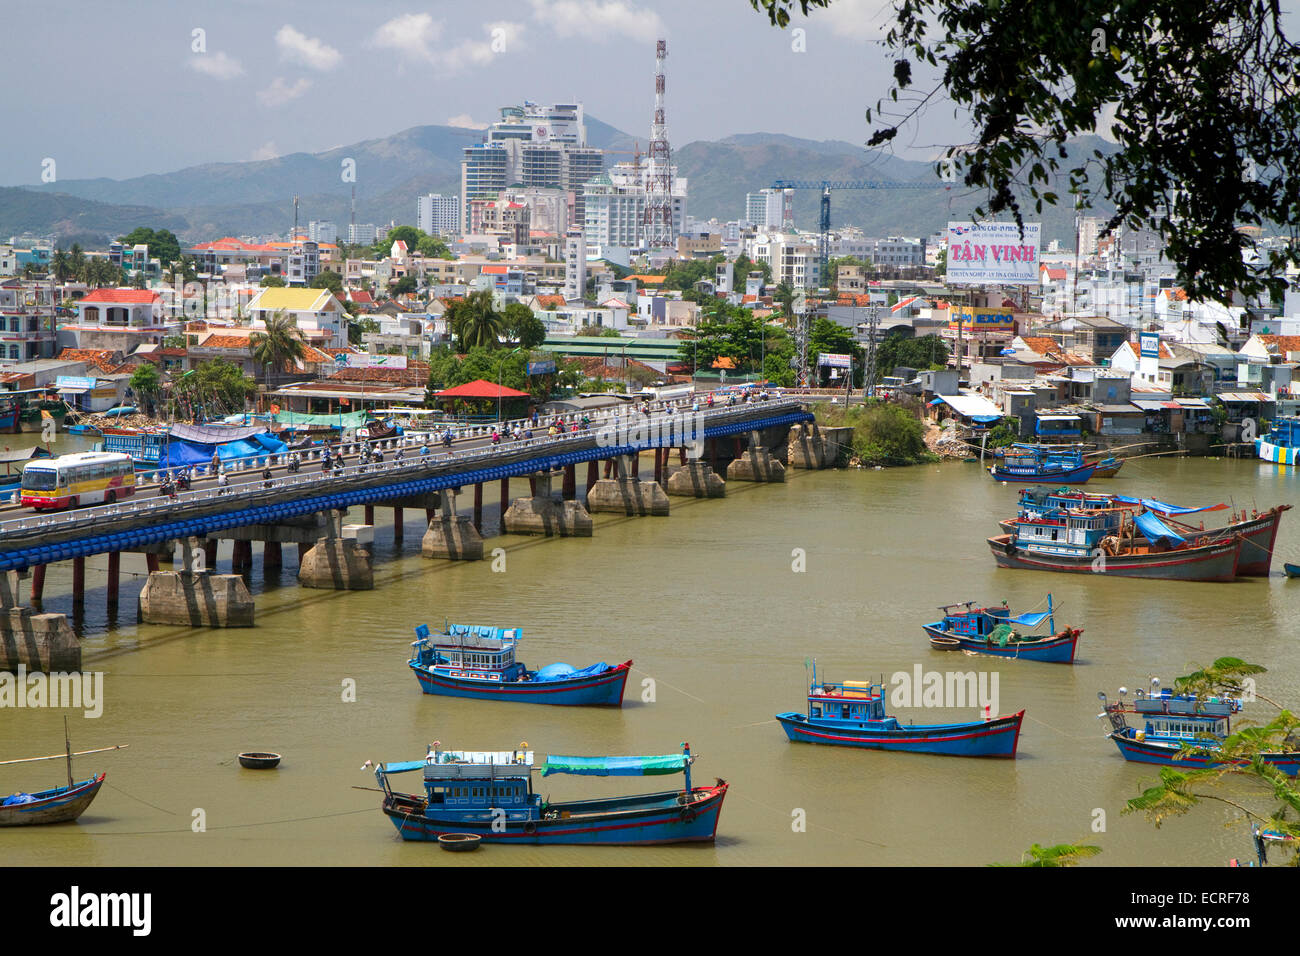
(992, 631)
(56, 804)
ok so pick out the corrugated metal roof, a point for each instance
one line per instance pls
(1243, 397)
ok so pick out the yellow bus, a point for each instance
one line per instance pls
(72, 480)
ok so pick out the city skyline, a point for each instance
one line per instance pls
(200, 83)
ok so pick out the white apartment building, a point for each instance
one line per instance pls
(615, 206)
(438, 215)
(362, 234)
(765, 208)
(792, 259)
(575, 266)
(322, 230)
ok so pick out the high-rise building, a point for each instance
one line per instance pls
(322, 230)
(616, 206)
(575, 265)
(438, 215)
(361, 234)
(532, 145)
(764, 208)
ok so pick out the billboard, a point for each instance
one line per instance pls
(541, 368)
(1149, 344)
(982, 319)
(366, 360)
(993, 252)
(833, 360)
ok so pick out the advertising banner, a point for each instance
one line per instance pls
(982, 319)
(992, 252)
(833, 360)
(366, 360)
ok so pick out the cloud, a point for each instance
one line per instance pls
(267, 150)
(597, 20)
(854, 19)
(281, 92)
(503, 36)
(465, 121)
(306, 50)
(219, 65)
(411, 35)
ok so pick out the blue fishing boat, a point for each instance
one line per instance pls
(1043, 463)
(1282, 443)
(491, 795)
(852, 714)
(993, 631)
(479, 662)
(1179, 730)
(61, 804)
(1292, 570)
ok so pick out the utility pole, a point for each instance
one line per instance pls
(801, 335)
(869, 379)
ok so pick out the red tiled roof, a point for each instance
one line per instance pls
(1284, 343)
(1165, 352)
(545, 300)
(361, 297)
(1055, 274)
(129, 296)
(219, 341)
(102, 359)
(480, 388)
(1040, 344)
(493, 270)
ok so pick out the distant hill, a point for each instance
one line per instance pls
(216, 199)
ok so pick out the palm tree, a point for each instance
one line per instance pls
(1063, 854)
(785, 294)
(279, 344)
(475, 322)
(61, 263)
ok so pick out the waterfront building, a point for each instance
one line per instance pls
(438, 215)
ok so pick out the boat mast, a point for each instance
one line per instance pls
(1051, 621)
(67, 742)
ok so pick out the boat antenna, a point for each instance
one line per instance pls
(67, 742)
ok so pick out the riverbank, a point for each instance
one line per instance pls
(884, 435)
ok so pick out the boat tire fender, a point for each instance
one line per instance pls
(688, 814)
(530, 827)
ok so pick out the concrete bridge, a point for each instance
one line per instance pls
(307, 509)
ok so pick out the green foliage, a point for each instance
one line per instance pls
(683, 274)
(163, 244)
(510, 368)
(743, 266)
(280, 344)
(272, 282)
(358, 328)
(474, 321)
(1004, 433)
(906, 351)
(146, 383)
(214, 387)
(600, 331)
(1063, 854)
(521, 327)
(833, 268)
(732, 332)
(417, 241)
(328, 279)
(403, 286)
(883, 434)
(1220, 75)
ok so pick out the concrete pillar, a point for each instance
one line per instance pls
(337, 562)
(370, 515)
(303, 548)
(636, 464)
(609, 467)
(210, 553)
(593, 472)
(541, 514)
(151, 562)
(196, 599)
(36, 642)
(451, 535)
(570, 489)
(397, 524)
(682, 459)
(272, 555)
(114, 574)
(627, 496)
(659, 466)
(696, 479)
(78, 580)
(713, 453)
(38, 583)
(241, 557)
(478, 507)
(756, 464)
(430, 514)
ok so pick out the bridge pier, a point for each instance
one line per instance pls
(194, 597)
(78, 580)
(569, 491)
(627, 495)
(813, 447)
(451, 535)
(504, 503)
(272, 555)
(398, 531)
(541, 514)
(593, 473)
(755, 464)
(114, 576)
(38, 583)
(696, 479)
(337, 560)
(39, 642)
(478, 507)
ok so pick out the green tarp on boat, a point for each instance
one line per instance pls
(616, 766)
(301, 420)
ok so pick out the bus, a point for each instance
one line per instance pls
(81, 479)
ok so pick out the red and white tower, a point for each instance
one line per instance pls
(658, 221)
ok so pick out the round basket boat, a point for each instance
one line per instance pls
(945, 643)
(459, 842)
(259, 761)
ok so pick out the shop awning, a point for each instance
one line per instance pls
(969, 406)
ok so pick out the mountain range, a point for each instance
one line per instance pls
(256, 197)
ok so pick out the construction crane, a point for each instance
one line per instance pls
(826, 185)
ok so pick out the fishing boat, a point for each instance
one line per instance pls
(1179, 730)
(491, 795)
(1107, 467)
(992, 631)
(1042, 463)
(479, 662)
(1258, 529)
(1089, 542)
(1292, 570)
(1282, 443)
(55, 804)
(852, 714)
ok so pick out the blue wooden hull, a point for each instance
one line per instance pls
(58, 805)
(1163, 754)
(1056, 476)
(618, 821)
(1054, 650)
(1292, 570)
(984, 738)
(603, 690)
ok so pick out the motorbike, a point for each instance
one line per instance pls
(294, 464)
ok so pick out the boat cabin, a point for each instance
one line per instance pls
(850, 700)
(471, 651)
(1063, 532)
(1176, 715)
(479, 780)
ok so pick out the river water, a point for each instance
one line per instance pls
(709, 606)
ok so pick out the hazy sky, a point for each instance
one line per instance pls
(117, 90)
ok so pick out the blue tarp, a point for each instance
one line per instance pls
(1032, 619)
(403, 766)
(1155, 529)
(17, 799)
(566, 672)
(180, 453)
(1166, 509)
